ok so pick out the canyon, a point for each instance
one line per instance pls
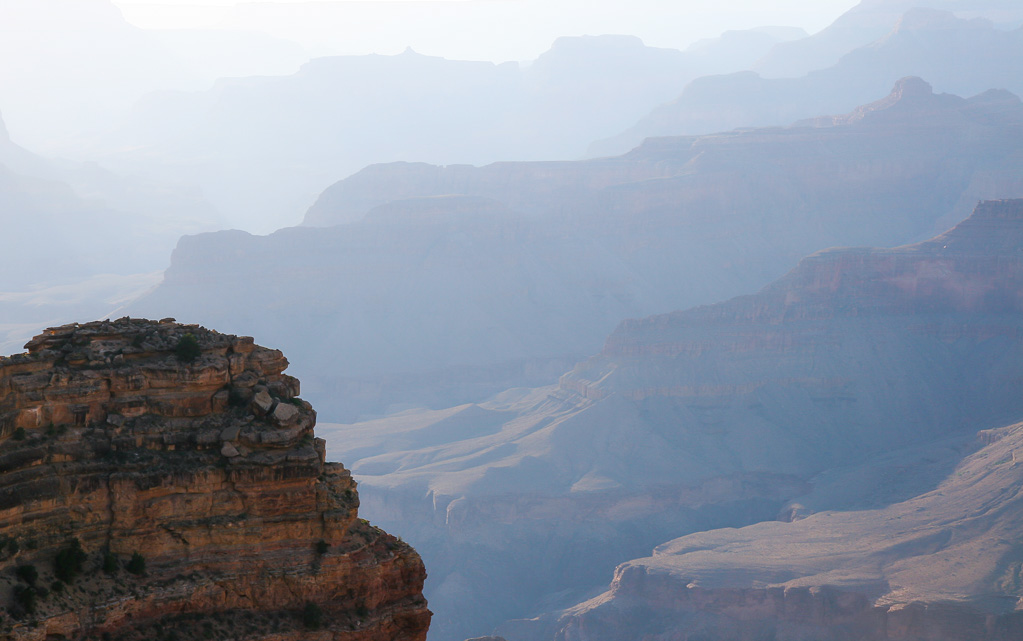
(749, 369)
(460, 281)
(859, 380)
(337, 114)
(163, 481)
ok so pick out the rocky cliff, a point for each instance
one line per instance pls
(162, 481)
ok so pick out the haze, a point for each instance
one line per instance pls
(643, 319)
(495, 30)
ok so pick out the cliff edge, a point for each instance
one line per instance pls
(162, 481)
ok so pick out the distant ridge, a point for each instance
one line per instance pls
(963, 56)
(522, 268)
(879, 364)
(975, 267)
(930, 337)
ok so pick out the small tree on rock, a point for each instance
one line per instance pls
(137, 564)
(69, 561)
(188, 348)
(312, 616)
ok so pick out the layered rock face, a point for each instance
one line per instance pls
(133, 444)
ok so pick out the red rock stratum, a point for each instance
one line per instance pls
(162, 481)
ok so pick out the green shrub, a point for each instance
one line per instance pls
(188, 348)
(312, 616)
(137, 564)
(110, 564)
(322, 547)
(19, 434)
(27, 573)
(69, 561)
(57, 587)
(25, 597)
(237, 398)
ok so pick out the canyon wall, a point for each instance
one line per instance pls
(882, 361)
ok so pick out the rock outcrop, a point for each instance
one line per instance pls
(162, 481)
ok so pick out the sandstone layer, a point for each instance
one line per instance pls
(163, 482)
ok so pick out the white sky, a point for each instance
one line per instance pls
(479, 29)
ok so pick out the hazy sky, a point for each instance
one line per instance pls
(479, 29)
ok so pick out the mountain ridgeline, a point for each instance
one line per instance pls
(960, 54)
(337, 114)
(859, 380)
(433, 286)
